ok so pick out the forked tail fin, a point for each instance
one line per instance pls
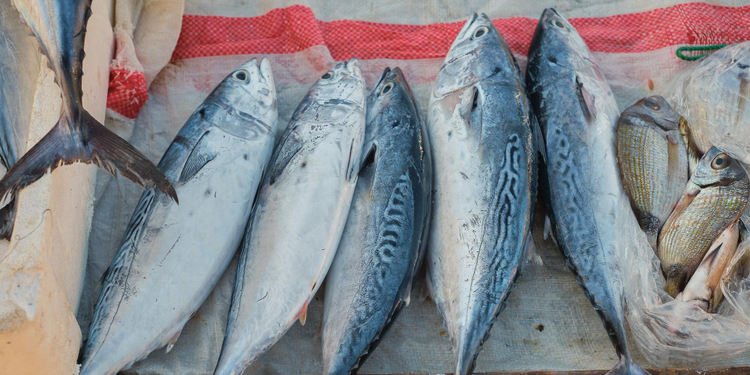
(96, 145)
(626, 366)
(7, 219)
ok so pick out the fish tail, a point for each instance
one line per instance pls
(90, 142)
(626, 366)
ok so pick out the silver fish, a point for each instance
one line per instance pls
(480, 128)
(172, 256)
(298, 218)
(60, 29)
(19, 64)
(386, 231)
(580, 181)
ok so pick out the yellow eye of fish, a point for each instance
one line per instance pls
(387, 88)
(240, 75)
(328, 75)
(557, 23)
(652, 104)
(480, 32)
(721, 161)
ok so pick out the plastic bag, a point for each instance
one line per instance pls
(712, 96)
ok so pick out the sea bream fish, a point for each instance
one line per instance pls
(299, 217)
(19, 64)
(386, 231)
(172, 256)
(580, 180)
(653, 161)
(480, 127)
(60, 29)
(712, 201)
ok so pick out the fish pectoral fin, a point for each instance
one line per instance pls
(369, 158)
(288, 147)
(201, 155)
(586, 100)
(173, 340)
(538, 138)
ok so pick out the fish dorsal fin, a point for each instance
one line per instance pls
(288, 147)
(201, 155)
(585, 99)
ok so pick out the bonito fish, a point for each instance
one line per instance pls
(19, 64)
(299, 217)
(713, 200)
(481, 130)
(578, 115)
(173, 255)
(653, 161)
(386, 232)
(60, 29)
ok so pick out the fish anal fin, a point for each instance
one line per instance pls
(173, 340)
(302, 314)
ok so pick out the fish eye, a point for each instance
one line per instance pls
(387, 88)
(557, 23)
(241, 75)
(328, 75)
(652, 104)
(480, 32)
(721, 161)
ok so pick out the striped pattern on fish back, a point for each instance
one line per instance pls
(688, 234)
(644, 165)
(116, 276)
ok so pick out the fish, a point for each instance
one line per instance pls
(713, 200)
(713, 95)
(60, 29)
(385, 236)
(299, 217)
(703, 289)
(19, 63)
(172, 256)
(481, 130)
(653, 161)
(580, 181)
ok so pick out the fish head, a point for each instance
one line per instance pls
(391, 108)
(477, 53)
(717, 168)
(556, 41)
(344, 82)
(250, 91)
(654, 110)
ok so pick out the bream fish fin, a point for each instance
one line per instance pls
(288, 147)
(673, 160)
(586, 100)
(201, 155)
(94, 144)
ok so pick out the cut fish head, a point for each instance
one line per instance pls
(478, 52)
(655, 110)
(250, 92)
(717, 168)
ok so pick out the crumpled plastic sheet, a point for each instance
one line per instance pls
(548, 324)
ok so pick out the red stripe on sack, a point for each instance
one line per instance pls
(295, 28)
(127, 92)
